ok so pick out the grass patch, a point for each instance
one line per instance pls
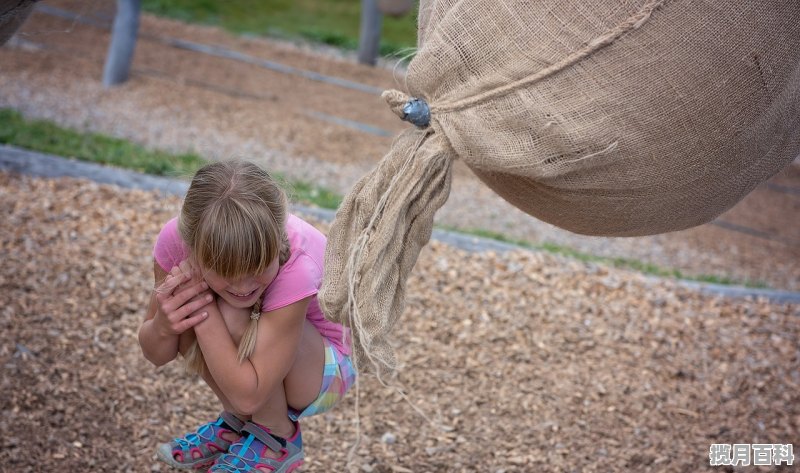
(304, 192)
(627, 263)
(334, 22)
(492, 236)
(47, 137)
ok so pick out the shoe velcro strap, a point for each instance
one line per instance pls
(274, 443)
(233, 422)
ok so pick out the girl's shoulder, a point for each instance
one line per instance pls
(304, 238)
(169, 249)
(301, 275)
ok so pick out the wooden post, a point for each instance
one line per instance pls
(123, 42)
(370, 35)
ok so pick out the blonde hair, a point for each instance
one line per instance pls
(233, 220)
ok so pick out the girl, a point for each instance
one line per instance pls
(237, 278)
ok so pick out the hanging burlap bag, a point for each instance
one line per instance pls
(611, 117)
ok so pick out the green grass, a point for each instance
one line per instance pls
(304, 192)
(47, 137)
(628, 263)
(334, 22)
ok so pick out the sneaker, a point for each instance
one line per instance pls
(200, 449)
(249, 453)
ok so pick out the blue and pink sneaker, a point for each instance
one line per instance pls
(201, 449)
(250, 453)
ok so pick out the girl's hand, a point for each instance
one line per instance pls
(180, 297)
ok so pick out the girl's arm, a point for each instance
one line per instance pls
(167, 313)
(248, 384)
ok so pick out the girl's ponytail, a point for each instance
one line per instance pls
(193, 359)
(248, 342)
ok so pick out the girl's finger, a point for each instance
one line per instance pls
(179, 276)
(187, 275)
(190, 322)
(171, 281)
(166, 288)
(183, 296)
(190, 308)
(186, 267)
(186, 270)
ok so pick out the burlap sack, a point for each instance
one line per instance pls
(610, 117)
(13, 14)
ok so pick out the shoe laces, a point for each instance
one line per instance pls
(194, 439)
(239, 457)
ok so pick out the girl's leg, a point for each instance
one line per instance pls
(201, 448)
(272, 442)
(300, 387)
(186, 340)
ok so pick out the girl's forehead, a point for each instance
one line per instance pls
(213, 274)
(209, 272)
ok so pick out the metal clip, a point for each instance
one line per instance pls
(417, 112)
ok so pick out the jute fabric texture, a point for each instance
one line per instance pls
(610, 117)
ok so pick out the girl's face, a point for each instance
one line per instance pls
(241, 293)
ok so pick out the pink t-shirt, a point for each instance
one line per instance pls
(298, 278)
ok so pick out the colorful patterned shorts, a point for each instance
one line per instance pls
(337, 377)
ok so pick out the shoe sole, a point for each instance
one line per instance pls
(289, 468)
(292, 467)
(164, 453)
(292, 463)
(295, 466)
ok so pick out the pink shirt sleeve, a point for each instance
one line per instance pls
(298, 278)
(169, 249)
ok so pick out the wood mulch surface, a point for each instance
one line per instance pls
(522, 361)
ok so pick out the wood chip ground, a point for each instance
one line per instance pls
(522, 362)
